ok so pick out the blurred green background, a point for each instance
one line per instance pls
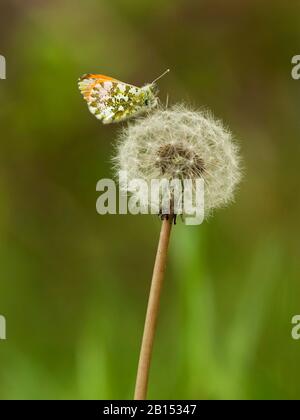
(73, 284)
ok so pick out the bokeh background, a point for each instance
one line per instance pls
(73, 284)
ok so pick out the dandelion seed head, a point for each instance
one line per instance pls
(185, 144)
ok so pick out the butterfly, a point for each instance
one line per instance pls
(111, 100)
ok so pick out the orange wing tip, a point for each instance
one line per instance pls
(88, 81)
(98, 77)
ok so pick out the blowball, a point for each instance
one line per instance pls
(179, 143)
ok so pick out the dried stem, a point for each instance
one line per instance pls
(152, 310)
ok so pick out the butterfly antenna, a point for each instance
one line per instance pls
(162, 75)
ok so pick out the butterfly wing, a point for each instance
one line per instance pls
(89, 82)
(109, 99)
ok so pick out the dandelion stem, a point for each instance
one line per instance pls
(152, 310)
